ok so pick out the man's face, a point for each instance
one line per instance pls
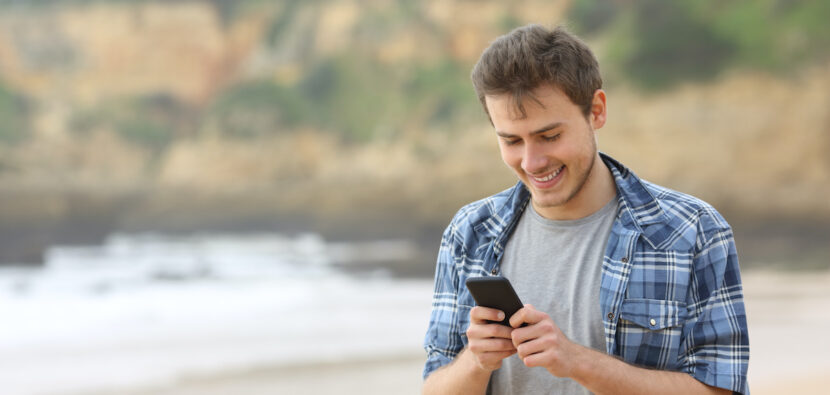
(552, 150)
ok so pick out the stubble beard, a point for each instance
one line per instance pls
(579, 186)
(580, 183)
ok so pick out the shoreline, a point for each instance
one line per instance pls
(32, 221)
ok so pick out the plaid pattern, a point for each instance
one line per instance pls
(670, 294)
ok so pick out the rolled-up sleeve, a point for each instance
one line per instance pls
(443, 340)
(715, 348)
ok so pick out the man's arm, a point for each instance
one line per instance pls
(463, 376)
(603, 374)
(542, 344)
(470, 371)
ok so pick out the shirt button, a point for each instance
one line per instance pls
(494, 272)
(625, 259)
(610, 316)
(653, 322)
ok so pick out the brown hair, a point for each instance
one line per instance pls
(530, 56)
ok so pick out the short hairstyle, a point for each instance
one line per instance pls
(531, 56)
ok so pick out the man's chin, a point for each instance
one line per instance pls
(547, 201)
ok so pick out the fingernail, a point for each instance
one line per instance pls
(501, 316)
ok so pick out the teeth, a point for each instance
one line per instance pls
(550, 176)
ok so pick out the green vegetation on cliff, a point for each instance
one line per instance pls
(151, 121)
(658, 44)
(348, 95)
(14, 117)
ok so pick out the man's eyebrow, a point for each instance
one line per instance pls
(537, 131)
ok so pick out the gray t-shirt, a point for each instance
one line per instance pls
(557, 267)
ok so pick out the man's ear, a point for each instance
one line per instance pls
(598, 110)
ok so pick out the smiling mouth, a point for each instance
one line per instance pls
(549, 176)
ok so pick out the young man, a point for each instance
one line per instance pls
(634, 288)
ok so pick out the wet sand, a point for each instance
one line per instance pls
(788, 323)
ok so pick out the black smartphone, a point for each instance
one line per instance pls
(497, 293)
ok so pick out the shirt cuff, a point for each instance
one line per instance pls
(737, 385)
(435, 360)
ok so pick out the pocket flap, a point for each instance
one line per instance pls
(653, 313)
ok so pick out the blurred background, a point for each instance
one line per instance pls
(248, 196)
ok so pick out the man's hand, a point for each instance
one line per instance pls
(489, 342)
(541, 342)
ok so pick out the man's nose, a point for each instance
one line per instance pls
(535, 160)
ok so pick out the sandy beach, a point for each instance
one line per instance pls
(788, 327)
(397, 375)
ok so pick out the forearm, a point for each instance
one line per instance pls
(463, 376)
(604, 374)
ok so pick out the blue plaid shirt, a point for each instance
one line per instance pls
(671, 295)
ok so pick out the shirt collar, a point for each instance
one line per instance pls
(644, 207)
(639, 208)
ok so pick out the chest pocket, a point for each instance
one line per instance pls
(660, 275)
(649, 331)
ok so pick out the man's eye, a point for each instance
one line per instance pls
(551, 138)
(511, 141)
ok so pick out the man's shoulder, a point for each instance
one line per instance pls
(488, 216)
(686, 217)
(682, 205)
(652, 204)
(485, 209)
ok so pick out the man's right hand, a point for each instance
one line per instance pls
(488, 341)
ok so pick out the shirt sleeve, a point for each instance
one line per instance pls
(443, 340)
(715, 349)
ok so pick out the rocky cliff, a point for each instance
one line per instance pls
(153, 115)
